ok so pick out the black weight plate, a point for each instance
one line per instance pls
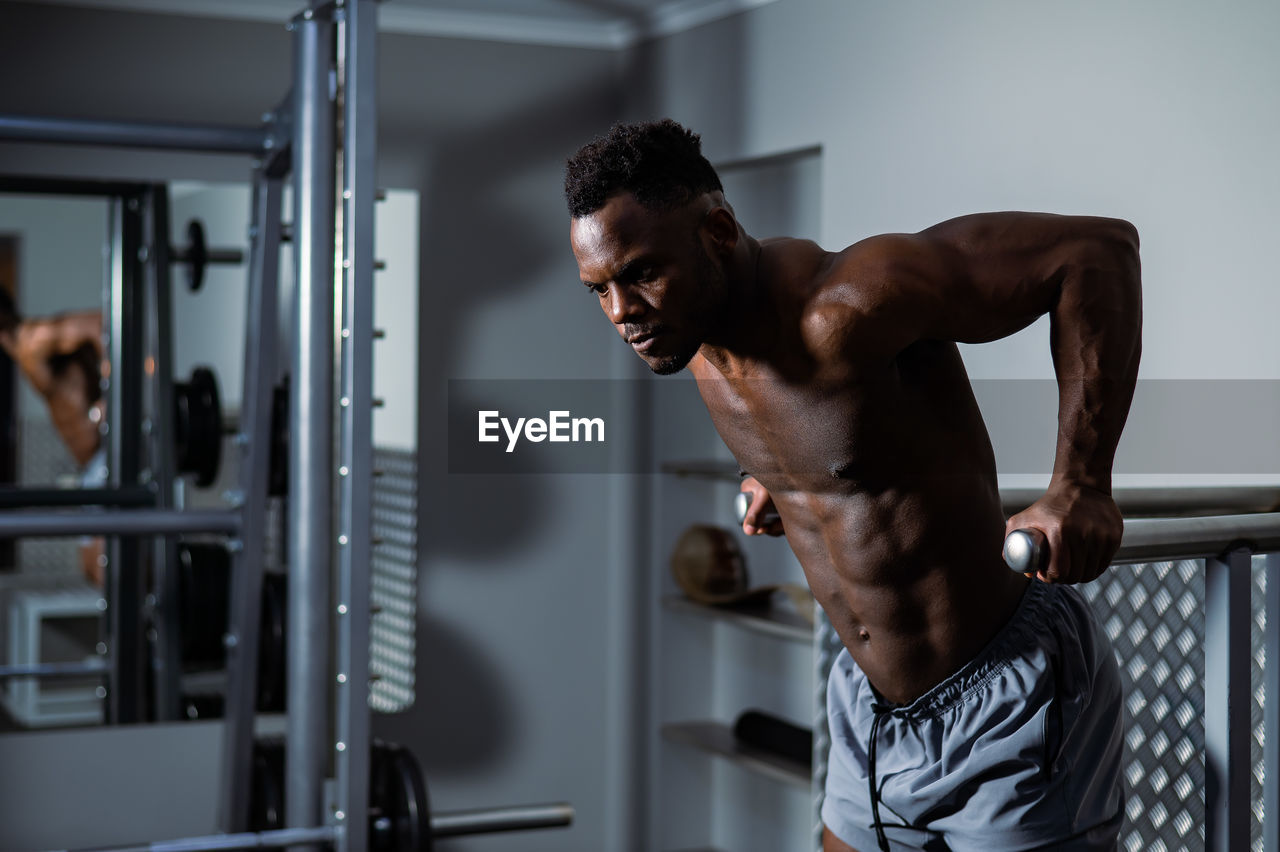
(271, 645)
(205, 419)
(399, 812)
(266, 786)
(197, 255)
(278, 472)
(204, 589)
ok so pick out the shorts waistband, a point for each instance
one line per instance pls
(1018, 634)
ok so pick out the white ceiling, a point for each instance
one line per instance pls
(609, 24)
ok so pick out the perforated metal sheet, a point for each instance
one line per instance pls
(394, 579)
(1154, 615)
(43, 460)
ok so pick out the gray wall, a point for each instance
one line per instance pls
(1162, 113)
(515, 573)
(528, 646)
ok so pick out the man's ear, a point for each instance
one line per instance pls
(721, 227)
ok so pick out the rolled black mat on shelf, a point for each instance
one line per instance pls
(774, 735)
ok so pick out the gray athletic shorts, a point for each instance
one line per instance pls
(1020, 749)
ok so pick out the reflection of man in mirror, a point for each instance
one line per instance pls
(62, 357)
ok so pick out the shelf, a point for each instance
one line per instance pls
(726, 471)
(717, 739)
(772, 621)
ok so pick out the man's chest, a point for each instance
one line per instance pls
(800, 436)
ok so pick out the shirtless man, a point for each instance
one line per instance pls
(972, 707)
(62, 357)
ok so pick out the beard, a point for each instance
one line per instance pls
(671, 364)
(710, 281)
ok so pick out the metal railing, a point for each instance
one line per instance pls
(1227, 543)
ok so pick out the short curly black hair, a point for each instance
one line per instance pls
(659, 162)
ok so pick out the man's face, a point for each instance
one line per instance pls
(653, 276)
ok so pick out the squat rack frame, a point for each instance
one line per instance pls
(324, 140)
(331, 356)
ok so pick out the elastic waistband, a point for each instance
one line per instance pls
(1018, 634)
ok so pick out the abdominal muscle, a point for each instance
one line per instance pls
(912, 582)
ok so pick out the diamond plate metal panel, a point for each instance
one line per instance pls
(826, 647)
(1154, 615)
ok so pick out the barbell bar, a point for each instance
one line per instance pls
(197, 255)
(493, 820)
(124, 497)
(123, 522)
(280, 837)
(449, 824)
(54, 670)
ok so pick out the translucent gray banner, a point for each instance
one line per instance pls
(1195, 427)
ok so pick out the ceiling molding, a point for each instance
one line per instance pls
(518, 29)
(613, 34)
(680, 15)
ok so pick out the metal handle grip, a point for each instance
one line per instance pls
(1026, 551)
(742, 503)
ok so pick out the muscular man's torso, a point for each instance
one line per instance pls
(884, 477)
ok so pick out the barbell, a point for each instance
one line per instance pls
(197, 255)
(400, 817)
(399, 812)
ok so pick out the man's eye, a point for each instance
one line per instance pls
(598, 289)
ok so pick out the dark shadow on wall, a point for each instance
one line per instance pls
(478, 246)
(484, 240)
(468, 713)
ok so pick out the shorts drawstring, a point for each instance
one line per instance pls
(880, 711)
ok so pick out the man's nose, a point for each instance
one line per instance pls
(621, 307)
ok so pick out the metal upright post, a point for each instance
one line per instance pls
(254, 443)
(1271, 709)
(166, 654)
(126, 696)
(357, 64)
(307, 747)
(1227, 701)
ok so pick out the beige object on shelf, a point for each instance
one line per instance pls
(710, 568)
